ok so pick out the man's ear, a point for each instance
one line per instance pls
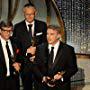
(0, 31)
(58, 36)
(35, 12)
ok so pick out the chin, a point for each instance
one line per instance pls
(49, 42)
(6, 38)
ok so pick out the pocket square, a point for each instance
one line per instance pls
(37, 34)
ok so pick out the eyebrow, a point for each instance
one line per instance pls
(6, 30)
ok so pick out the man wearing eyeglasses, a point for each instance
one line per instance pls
(9, 65)
(24, 31)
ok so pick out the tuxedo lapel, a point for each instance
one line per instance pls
(14, 46)
(47, 55)
(35, 28)
(25, 28)
(2, 59)
(1, 52)
(25, 32)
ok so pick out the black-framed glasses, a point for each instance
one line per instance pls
(7, 30)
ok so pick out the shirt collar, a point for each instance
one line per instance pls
(3, 40)
(55, 46)
(27, 23)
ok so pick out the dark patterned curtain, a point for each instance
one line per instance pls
(49, 4)
(0, 8)
(12, 9)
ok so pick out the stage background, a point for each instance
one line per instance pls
(76, 17)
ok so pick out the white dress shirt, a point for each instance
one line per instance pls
(32, 28)
(56, 46)
(3, 43)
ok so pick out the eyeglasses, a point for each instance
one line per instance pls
(30, 14)
(8, 31)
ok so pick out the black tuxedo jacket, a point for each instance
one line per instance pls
(65, 61)
(3, 69)
(22, 34)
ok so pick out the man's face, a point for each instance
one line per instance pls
(29, 13)
(52, 36)
(6, 32)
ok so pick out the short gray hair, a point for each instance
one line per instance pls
(54, 27)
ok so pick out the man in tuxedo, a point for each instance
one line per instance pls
(25, 31)
(55, 62)
(9, 66)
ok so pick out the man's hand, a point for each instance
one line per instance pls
(16, 65)
(31, 50)
(57, 76)
(32, 58)
(45, 79)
